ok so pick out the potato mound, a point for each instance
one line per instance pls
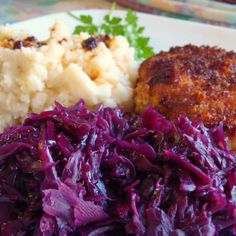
(34, 75)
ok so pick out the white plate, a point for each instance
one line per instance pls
(164, 32)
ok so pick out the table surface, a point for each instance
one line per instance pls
(17, 10)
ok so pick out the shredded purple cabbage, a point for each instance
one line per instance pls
(72, 171)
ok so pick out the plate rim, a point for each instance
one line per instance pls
(122, 12)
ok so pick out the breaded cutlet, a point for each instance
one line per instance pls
(198, 82)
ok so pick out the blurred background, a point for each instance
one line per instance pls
(207, 11)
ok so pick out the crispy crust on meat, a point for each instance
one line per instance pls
(198, 82)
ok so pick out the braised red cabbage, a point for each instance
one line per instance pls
(72, 171)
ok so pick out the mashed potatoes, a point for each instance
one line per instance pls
(32, 78)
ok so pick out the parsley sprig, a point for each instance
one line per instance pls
(113, 25)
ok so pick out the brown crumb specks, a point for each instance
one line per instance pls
(30, 41)
(198, 82)
(92, 42)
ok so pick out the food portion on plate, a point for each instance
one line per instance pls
(97, 166)
(64, 67)
(197, 82)
(72, 171)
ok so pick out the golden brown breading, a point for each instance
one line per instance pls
(198, 82)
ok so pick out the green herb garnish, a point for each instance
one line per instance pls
(113, 25)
